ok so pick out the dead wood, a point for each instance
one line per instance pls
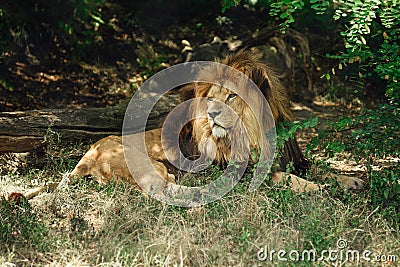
(25, 131)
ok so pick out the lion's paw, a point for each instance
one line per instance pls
(171, 178)
(349, 182)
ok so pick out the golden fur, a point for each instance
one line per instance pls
(210, 135)
(265, 80)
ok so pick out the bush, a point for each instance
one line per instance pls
(371, 36)
(60, 25)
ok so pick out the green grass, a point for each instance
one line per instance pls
(115, 225)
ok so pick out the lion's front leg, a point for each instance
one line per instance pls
(296, 183)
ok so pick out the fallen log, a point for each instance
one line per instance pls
(24, 131)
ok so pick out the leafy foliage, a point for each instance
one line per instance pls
(229, 3)
(371, 35)
(69, 24)
(285, 10)
(368, 24)
(287, 130)
(83, 25)
(39, 32)
(373, 135)
(371, 24)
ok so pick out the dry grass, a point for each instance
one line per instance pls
(87, 224)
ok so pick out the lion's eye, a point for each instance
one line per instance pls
(209, 99)
(231, 96)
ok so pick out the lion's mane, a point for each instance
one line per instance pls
(271, 88)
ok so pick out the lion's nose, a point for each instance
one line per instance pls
(213, 114)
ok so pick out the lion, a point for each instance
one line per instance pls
(105, 159)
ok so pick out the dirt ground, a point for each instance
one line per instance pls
(131, 49)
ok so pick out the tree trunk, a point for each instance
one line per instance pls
(24, 131)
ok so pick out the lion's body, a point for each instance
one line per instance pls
(105, 159)
(210, 135)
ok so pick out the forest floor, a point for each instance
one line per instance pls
(88, 224)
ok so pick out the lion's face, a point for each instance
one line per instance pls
(225, 117)
(222, 107)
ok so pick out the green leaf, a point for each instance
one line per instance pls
(386, 193)
(97, 18)
(315, 6)
(284, 15)
(328, 76)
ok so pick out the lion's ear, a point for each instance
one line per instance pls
(260, 78)
(186, 91)
(198, 89)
